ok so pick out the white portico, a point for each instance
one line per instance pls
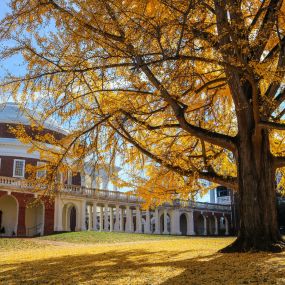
(80, 208)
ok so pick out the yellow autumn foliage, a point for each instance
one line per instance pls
(170, 89)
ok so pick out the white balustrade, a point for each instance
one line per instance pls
(112, 195)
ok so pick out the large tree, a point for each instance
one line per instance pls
(197, 86)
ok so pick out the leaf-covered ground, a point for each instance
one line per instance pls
(105, 237)
(164, 261)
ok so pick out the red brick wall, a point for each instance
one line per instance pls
(7, 163)
(49, 215)
(5, 131)
(23, 199)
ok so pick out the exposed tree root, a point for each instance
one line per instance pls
(251, 245)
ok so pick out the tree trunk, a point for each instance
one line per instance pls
(259, 229)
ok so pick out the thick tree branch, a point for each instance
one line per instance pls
(204, 86)
(146, 125)
(266, 29)
(272, 125)
(279, 162)
(209, 136)
(81, 21)
(230, 182)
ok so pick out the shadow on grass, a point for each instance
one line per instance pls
(146, 267)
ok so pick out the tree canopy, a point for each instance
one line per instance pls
(196, 87)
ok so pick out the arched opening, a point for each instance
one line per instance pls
(34, 219)
(199, 225)
(134, 225)
(72, 219)
(162, 223)
(183, 224)
(9, 216)
(143, 225)
(222, 226)
(211, 225)
(69, 217)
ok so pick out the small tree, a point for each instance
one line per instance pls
(196, 86)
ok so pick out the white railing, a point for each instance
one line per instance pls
(14, 182)
(10, 181)
(75, 190)
(101, 194)
(113, 195)
(201, 205)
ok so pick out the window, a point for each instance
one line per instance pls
(41, 171)
(19, 168)
(222, 191)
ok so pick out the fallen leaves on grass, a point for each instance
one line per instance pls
(180, 261)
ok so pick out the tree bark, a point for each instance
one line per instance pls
(259, 229)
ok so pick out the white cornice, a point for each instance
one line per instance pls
(13, 147)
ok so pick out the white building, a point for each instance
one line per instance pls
(76, 207)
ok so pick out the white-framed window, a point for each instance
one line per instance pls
(41, 172)
(19, 168)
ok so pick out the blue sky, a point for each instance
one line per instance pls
(14, 63)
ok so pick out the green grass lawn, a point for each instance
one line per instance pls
(7, 244)
(105, 237)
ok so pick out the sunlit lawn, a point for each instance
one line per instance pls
(105, 237)
(133, 259)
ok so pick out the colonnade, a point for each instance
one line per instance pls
(118, 218)
(130, 218)
(160, 221)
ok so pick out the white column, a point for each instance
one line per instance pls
(117, 222)
(138, 221)
(121, 219)
(94, 216)
(157, 222)
(128, 220)
(227, 226)
(101, 219)
(165, 231)
(111, 220)
(190, 226)
(59, 216)
(216, 226)
(83, 215)
(205, 225)
(106, 218)
(89, 218)
(59, 207)
(55, 214)
(131, 221)
(147, 222)
(175, 222)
